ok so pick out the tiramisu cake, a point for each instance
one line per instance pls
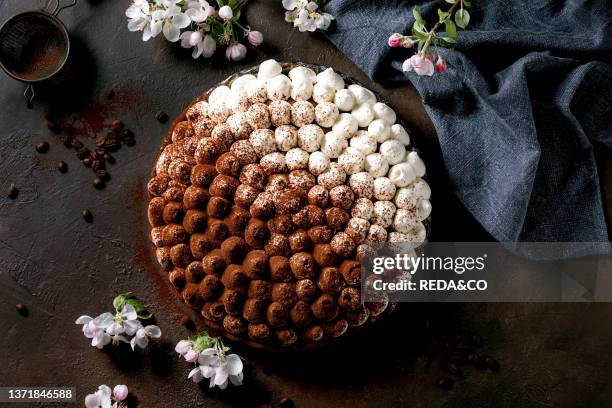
(266, 193)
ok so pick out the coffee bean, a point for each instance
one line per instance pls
(453, 369)
(62, 167)
(98, 183)
(117, 124)
(477, 341)
(82, 153)
(161, 117)
(492, 363)
(12, 191)
(87, 161)
(22, 309)
(286, 403)
(42, 147)
(473, 359)
(445, 383)
(100, 141)
(110, 159)
(76, 144)
(98, 164)
(87, 215)
(126, 134)
(103, 174)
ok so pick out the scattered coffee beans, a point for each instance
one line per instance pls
(87, 215)
(117, 125)
(42, 147)
(12, 192)
(453, 369)
(62, 167)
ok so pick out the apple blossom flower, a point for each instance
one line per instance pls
(395, 40)
(144, 334)
(183, 346)
(235, 52)
(125, 321)
(420, 64)
(198, 10)
(191, 356)
(172, 20)
(255, 38)
(441, 67)
(120, 392)
(304, 15)
(220, 368)
(99, 399)
(226, 13)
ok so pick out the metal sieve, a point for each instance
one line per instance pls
(34, 46)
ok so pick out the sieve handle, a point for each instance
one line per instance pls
(29, 96)
(58, 6)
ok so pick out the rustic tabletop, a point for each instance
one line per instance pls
(61, 267)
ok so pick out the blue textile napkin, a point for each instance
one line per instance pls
(527, 94)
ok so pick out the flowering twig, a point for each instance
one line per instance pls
(107, 328)
(212, 360)
(305, 16)
(428, 41)
(196, 23)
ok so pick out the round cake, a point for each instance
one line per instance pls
(267, 192)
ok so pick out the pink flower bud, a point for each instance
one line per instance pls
(395, 40)
(235, 52)
(255, 38)
(120, 392)
(441, 67)
(192, 356)
(226, 12)
(195, 38)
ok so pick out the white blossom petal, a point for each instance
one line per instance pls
(84, 319)
(104, 320)
(171, 32)
(153, 331)
(289, 4)
(234, 364)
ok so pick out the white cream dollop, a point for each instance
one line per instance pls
(309, 137)
(385, 113)
(393, 151)
(402, 174)
(345, 100)
(380, 130)
(323, 93)
(279, 87)
(351, 161)
(296, 159)
(330, 78)
(326, 114)
(376, 165)
(417, 164)
(384, 189)
(346, 125)
(219, 95)
(257, 91)
(364, 142)
(240, 84)
(318, 163)
(362, 95)
(333, 145)
(301, 90)
(269, 69)
(364, 114)
(398, 132)
(404, 220)
(302, 74)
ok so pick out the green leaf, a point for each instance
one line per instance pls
(421, 36)
(145, 316)
(447, 41)
(467, 3)
(417, 15)
(442, 15)
(217, 32)
(120, 300)
(136, 303)
(220, 3)
(462, 18)
(451, 29)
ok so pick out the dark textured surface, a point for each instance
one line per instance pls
(61, 267)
